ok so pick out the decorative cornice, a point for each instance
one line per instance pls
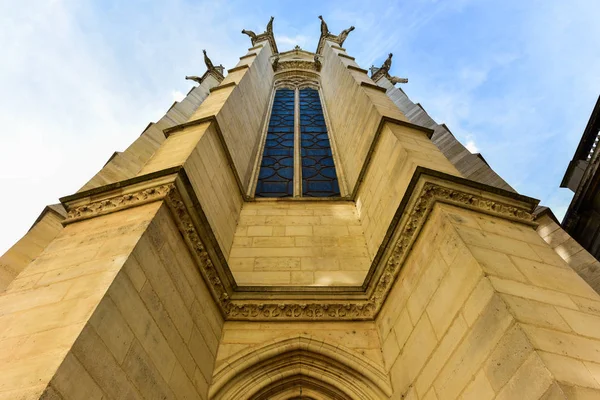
(426, 189)
(116, 203)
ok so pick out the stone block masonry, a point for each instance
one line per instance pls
(483, 311)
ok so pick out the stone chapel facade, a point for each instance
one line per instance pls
(297, 229)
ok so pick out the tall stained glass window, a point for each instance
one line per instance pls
(318, 171)
(276, 176)
(316, 176)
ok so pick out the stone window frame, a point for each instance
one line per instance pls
(297, 83)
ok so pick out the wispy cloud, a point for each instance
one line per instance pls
(472, 147)
(284, 41)
(82, 79)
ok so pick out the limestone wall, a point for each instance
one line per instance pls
(354, 111)
(208, 169)
(29, 246)
(156, 332)
(398, 152)
(484, 309)
(299, 243)
(241, 110)
(45, 308)
(203, 156)
(359, 336)
(207, 150)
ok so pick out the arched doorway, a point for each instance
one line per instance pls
(299, 367)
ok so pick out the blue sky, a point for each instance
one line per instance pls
(515, 80)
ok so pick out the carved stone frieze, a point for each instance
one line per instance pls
(430, 194)
(116, 203)
(301, 311)
(195, 244)
(297, 64)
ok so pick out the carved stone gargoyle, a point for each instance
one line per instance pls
(318, 64)
(266, 35)
(216, 72)
(384, 71)
(327, 35)
(343, 35)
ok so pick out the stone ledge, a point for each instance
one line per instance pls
(346, 56)
(241, 67)
(354, 68)
(373, 86)
(216, 88)
(248, 56)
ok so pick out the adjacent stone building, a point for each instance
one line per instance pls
(297, 229)
(582, 219)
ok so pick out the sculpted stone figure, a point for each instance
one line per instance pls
(387, 64)
(384, 71)
(395, 79)
(343, 35)
(275, 63)
(194, 78)
(249, 33)
(207, 61)
(324, 29)
(266, 35)
(317, 62)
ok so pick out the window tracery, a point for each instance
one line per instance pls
(297, 160)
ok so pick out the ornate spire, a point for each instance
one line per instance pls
(266, 35)
(384, 71)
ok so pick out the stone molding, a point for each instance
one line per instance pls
(351, 369)
(427, 188)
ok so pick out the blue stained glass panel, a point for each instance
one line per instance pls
(276, 176)
(319, 178)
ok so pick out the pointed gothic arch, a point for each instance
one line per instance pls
(277, 369)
